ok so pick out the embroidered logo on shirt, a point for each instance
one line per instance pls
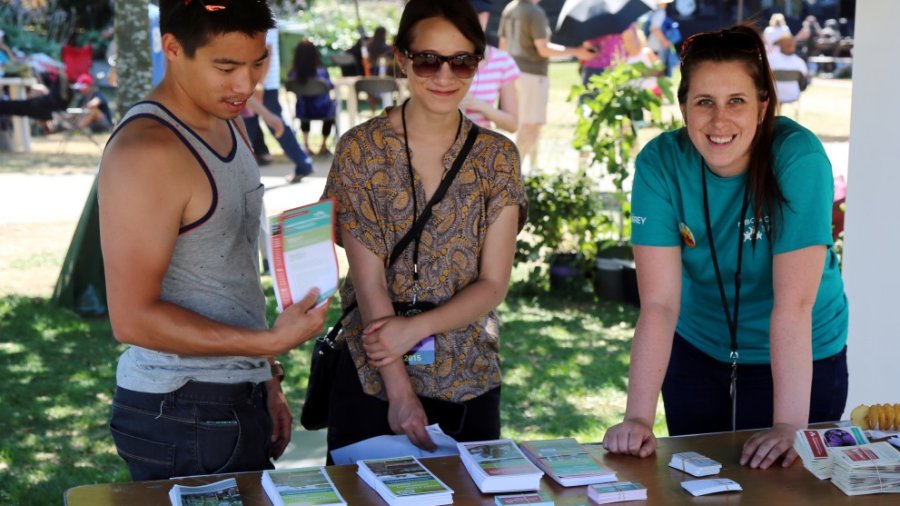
(686, 235)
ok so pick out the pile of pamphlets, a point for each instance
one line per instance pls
(567, 462)
(812, 445)
(695, 464)
(300, 487)
(872, 468)
(221, 493)
(499, 466)
(404, 481)
(619, 491)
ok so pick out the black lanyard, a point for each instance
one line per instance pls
(412, 184)
(730, 318)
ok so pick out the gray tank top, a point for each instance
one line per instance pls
(214, 269)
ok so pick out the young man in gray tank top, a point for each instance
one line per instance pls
(180, 204)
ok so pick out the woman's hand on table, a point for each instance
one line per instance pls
(407, 416)
(631, 437)
(765, 447)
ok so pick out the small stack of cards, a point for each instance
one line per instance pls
(695, 464)
(710, 486)
(532, 499)
(872, 468)
(619, 491)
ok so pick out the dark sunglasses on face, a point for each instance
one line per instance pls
(733, 40)
(427, 64)
(209, 6)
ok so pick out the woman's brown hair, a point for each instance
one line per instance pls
(743, 43)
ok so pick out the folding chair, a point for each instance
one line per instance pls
(377, 91)
(314, 88)
(77, 61)
(791, 76)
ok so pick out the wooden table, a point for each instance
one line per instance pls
(18, 90)
(794, 486)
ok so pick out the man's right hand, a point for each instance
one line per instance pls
(631, 437)
(299, 322)
(407, 416)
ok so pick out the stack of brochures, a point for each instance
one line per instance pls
(301, 254)
(531, 499)
(872, 468)
(499, 466)
(567, 462)
(404, 481)
(695, 464)
(812, 445)
(619, 491)
(301, 487)
(220, 493)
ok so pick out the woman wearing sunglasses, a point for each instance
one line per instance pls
(743, 320)
(440, 293)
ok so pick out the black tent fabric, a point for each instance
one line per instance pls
(81, 286)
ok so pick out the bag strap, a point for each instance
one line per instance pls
(417, 227)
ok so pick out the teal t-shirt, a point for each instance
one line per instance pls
(667, 210)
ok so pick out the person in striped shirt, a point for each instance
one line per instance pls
(495, 80)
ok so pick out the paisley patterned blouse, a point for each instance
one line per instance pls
(370, 181)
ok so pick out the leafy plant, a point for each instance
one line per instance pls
(612, 107)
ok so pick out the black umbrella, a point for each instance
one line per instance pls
(581, 20)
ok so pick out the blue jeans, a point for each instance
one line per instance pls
(696, 392)
(288, 140)
(201, 428)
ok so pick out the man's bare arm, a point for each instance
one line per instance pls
(150, 186)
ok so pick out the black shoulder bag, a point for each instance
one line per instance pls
(325, 354)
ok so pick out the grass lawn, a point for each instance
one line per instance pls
(565, 365)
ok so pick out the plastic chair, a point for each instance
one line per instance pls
(312, 88)
(791, 76)
(374, 90)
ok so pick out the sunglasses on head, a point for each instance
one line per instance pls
(426, 64)
(723, 40)
(209, 6)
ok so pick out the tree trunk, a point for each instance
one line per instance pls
(133, 53)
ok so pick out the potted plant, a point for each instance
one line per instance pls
(612, 108)
(564, 229)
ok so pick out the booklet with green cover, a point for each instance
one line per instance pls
(404, 481)
(302, 486)
(567, 462)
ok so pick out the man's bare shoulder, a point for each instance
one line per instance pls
(145, 146)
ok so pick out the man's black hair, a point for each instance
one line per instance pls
(195, 22)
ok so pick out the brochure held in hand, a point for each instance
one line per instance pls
(499, 466)
(301, 252)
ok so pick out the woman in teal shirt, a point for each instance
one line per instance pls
(743, 320)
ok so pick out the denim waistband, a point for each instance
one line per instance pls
(197, 391)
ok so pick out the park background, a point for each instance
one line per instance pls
(565, 355)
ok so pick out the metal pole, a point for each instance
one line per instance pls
(740, 11)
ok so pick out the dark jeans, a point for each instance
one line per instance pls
(696, 392)
(201, 428)
(288, 140)
(355, 415)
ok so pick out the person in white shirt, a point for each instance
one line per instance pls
(783, 57)
(776, 30)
